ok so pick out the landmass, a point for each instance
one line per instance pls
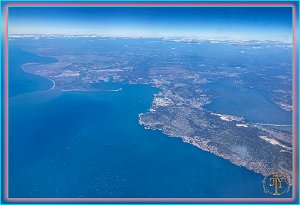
(180, 69)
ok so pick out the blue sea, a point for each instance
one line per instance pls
(90, 144)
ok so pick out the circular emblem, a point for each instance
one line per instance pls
(276, 184)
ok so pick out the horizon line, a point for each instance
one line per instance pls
(178, 38)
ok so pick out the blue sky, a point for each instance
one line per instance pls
(235, 23)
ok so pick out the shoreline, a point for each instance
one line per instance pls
(52, 81)
(255, 166)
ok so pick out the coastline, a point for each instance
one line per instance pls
(203, 144)
(52, 81)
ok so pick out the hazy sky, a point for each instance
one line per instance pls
(236, 23)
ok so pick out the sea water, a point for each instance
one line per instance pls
(90, 144)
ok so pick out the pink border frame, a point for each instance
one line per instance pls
(152, 200)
